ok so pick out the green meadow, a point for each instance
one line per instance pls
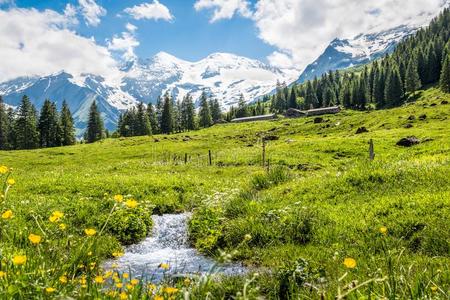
(319, 201)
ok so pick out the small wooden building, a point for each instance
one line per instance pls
(295, 113)
(323, 111)
(255, 118)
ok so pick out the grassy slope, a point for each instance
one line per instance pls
(346, 199)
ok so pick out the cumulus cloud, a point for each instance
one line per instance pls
(224, 9)
(45, 44)
(125, 43)
(152, 11)
(92, 12)
(301, 29)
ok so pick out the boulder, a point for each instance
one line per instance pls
(443, 102)
(318, 120)
(422, 117)
(408, 141)
(361, 130)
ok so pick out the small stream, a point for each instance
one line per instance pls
(169, 244)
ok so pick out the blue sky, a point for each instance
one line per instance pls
(41, 37)
(190, 35)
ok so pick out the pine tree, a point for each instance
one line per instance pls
(216, 112)
(166, 115)
(205, 119)
(4, 126)
(48, 126)
(242, 109)
(11, 131)
(143, 126)
(189, 114)
(95, 125)
(394, 90)
(67, 126)
(25, 126)
(152, 118)
(293, 99)
(444, 81)
(412, 80)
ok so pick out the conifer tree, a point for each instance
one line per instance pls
(242, 109)
(4, 126)
(205, 119)
(216, 112)
(11, 134)
(444, 81)
(25, 126)
(394, 90)
(152, 118)
(293, 99)
(67, 126)
(143, 126)
(412, 80)
(166, 115)
(95, 128)
(48, 126)
(189, 113)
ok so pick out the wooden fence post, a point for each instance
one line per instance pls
(371, 150)
(185, 158)
(210, 158)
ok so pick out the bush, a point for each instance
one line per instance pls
(205, 229)
(130, 226)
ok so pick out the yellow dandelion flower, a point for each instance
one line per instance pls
(123, 296)
(7, 214)
(434, 288)
(170, 290)
(34, 238)
(63, 279)
(11, 181)
(83, 280)
(118, 198)
(19, 260)
(247, 237)
(164, 266)
(134, 281)
(157, 297)
(90, 231)
(383, 230)
(350, 262)
(2, 274)
(56, 216)
(4, 169)
(62, 226)
(130, 287)
(119, 285)
(131, 203)
(99, 279)
(50, 290)
(125, 275)
(117, 254)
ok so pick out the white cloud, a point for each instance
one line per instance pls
(125, 43)
(44, 44)
(224, 9)
(301, 29)
(91, 12)
(153, 11)
(130, 27)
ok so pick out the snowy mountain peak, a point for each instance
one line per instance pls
(363, 48)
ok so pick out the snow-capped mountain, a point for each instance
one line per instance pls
(224, 75)
(344, 53)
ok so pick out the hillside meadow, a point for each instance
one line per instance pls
(320, 221)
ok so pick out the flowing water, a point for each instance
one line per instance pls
(169, 244)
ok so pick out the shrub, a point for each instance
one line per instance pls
(130, 226)
(205, 229)
(273, 177)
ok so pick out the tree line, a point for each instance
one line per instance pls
(169, 116)
(26, 129)
(418, 61)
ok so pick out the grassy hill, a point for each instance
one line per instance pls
(321, 201)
